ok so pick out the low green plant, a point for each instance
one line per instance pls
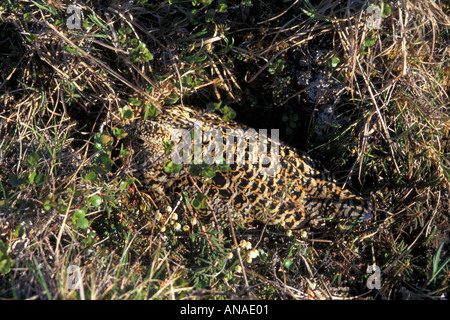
(5, 260)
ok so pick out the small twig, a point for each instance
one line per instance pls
(58, 239)
(237, 249)
(279, 15)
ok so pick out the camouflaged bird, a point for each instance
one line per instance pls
(293, 193)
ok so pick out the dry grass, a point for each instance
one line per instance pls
(372, 102)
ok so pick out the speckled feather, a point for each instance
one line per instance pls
(298, 195)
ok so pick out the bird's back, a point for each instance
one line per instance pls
(258, 178)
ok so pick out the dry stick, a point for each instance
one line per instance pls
(225, 82)
(403, 36)
(172, 60)
(266, 65)
(237, 249)
(386, 132)
(360, 154)
(262, 233)
(276, 17)
(74, 175)
(283, 27)
(150, 197)
(348, 42)
(288, 289)
(58, 240)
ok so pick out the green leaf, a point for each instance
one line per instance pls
(134, 102)
(15, 180)
(104, 164)
(119, 133)
(19, 231)
(222, 166)
(228, 113)
(71, 50)
(212, 106)
(223, 7)
(369, 42)
(196, 35)
(83, 223)
(168, 146)
(103, 141)
(364, 50)
(5, 261)
(95, 20)
(288, 264)
(50, 9)
(210, 173)
(171, 167)
(313, 13)
(127, 113)
(210, 14)
(123, 185)
(4, 204)
(436, 267)
(172, 99)
(199, 202)
(195, 169)
(124, 152)
(33, 159)
(91, 176)
(194, 59)
(80, 213)
(40, 178)
(31, 37)
(150, 111)
(31, 177)
(87, 25)
(386, 11)
(333, 62)
(104, 138)
(98, 145)
(187, 80)
(47, 204)
(147, 56)
(96, 200)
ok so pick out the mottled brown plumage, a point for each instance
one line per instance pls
(297, 195)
